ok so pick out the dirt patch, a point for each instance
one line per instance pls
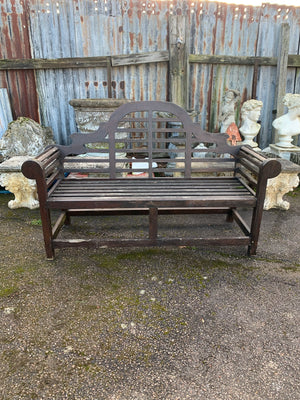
(167, 323)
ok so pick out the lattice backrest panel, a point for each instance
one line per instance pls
(149, 139)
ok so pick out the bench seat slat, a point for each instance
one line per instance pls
(154, 191)
(161, 190)
(205, 201)
(150, 193)
(148, 188)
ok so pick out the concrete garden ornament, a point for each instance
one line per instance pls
(227, 116)
(288, 125)
(250, 113)
(15, 182)
(24, 190)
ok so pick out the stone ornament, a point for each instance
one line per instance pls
(277, 188)
(25, 137)
(23, 189)
(12, 179)
(227, 115)
(288, 125)
(285, 182)
(250, 113)
(90, 113)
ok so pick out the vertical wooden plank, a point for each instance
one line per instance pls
(109, 82)
(281, 76)
(282, 63)
(178, 50)
(267, 46)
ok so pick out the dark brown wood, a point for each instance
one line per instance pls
(241, 222)
(267, 170)
(59, 224)
(107, 183)
(153, 213)
(202, 241)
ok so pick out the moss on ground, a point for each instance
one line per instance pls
(101, 313)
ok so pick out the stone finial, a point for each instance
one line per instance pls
(288, 125)
(250, 113)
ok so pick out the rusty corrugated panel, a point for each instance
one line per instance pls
(15, 44)
(292, 16)
(5, 111)
(95, 28)
(268, 40)
(241, 31)
(69, 29)
(222, 30)
(78, 28)
(144, 29)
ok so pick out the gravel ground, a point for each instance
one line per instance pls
(143, 324)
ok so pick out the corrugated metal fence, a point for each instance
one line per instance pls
(48, 29)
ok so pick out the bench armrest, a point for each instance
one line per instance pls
(256, 169)
(45, 169)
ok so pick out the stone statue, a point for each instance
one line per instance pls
(288, 125)
(24, 190)
(250, 113)
(12, 179)
(277, 188)
(227, 115)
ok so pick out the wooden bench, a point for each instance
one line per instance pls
(157, 140)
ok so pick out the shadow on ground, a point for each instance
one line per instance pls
(165, 323)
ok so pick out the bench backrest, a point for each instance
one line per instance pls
(154, 138)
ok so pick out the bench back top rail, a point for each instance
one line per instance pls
(152, 138)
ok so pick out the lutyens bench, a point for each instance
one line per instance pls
(150, 158)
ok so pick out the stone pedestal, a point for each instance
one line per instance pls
(15, 182)
(285, 182)
(284, 152)
(89, 113)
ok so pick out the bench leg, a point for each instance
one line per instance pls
(67, 219)
(255, 227)
(153, 213)
(252, 249)
(229, 217)
(47, 232)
